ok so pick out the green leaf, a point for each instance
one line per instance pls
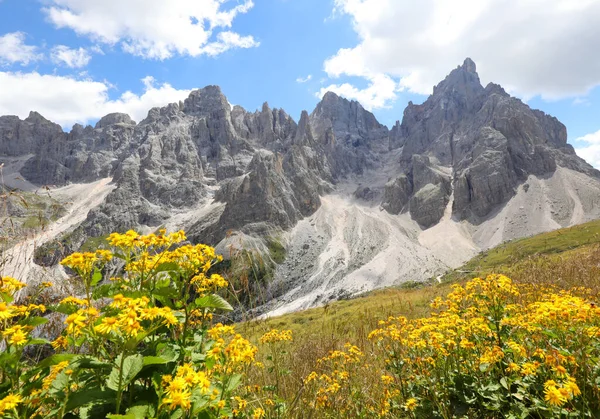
(155, 360)
(213, 301)
(142, 411)
(104, 290)
(89, 396)
(97, 277)
(60, 383)
(55, 359)
(169, 351)
(6, 297)
(39, 341)
(64, 308)
(233, 383)
(89, 362)
(504, 383)
(132, 365)
(34, 321)
(165, 292)
(167, 267)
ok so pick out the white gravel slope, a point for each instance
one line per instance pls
(81, 198)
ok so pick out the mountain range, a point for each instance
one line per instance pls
(354, 205)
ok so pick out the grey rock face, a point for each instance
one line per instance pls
(489, 140)
(397, 193)
(350, 135)
(466, 144)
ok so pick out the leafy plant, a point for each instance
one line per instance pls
(140, 346)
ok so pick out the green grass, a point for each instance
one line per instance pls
(564, 258)
(508, 254)
(567, 257)
(276, 250)
(94, 243)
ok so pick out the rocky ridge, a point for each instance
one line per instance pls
(455, 162)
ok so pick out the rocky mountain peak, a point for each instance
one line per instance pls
(469, 66)
(114, 118)
(205, 102)
(462, 84)
(304, 135)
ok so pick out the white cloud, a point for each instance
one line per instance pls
(14, 50)
(531, 47)
(590, 152)
(304, 79)
(155, 29)
(66, 100)
(70, 57)
(378, 94)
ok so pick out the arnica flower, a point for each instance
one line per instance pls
(411, 404)
(10, 285)
(108, 325)
(275, 335)
(177, 399)
(75, 322)
(10, 402)
(6, 311)
(554, 396)
(258, 413)
(16, 335)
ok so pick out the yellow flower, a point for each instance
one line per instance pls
(553, 396)
(411, 404)
(75, 322)
(572, 387)
(60, 342)
(258, 413)
(177, 399)
(6, 311)
(386, 379)
(10, 285)
(16, 337)
(108, 325)
(10, 402)
(74, 300)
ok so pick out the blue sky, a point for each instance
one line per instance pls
(76, 60)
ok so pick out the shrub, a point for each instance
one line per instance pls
(140, 346)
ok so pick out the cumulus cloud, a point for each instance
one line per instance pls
(531, 47)
(591, 151)
(304, 79)
(155, 29)
(380, 92)
(70, 57)
(67, 100)
(13, 49)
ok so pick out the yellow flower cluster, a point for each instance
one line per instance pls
(132, 239)
(558, 394)
(9, 285)
(178, 390)
(232, 351)
(493, 326)
(336, 369)
(85, 263)
(210, 283)
(275, 335)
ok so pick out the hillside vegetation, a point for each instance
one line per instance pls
(145, 344)
(566, 258)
